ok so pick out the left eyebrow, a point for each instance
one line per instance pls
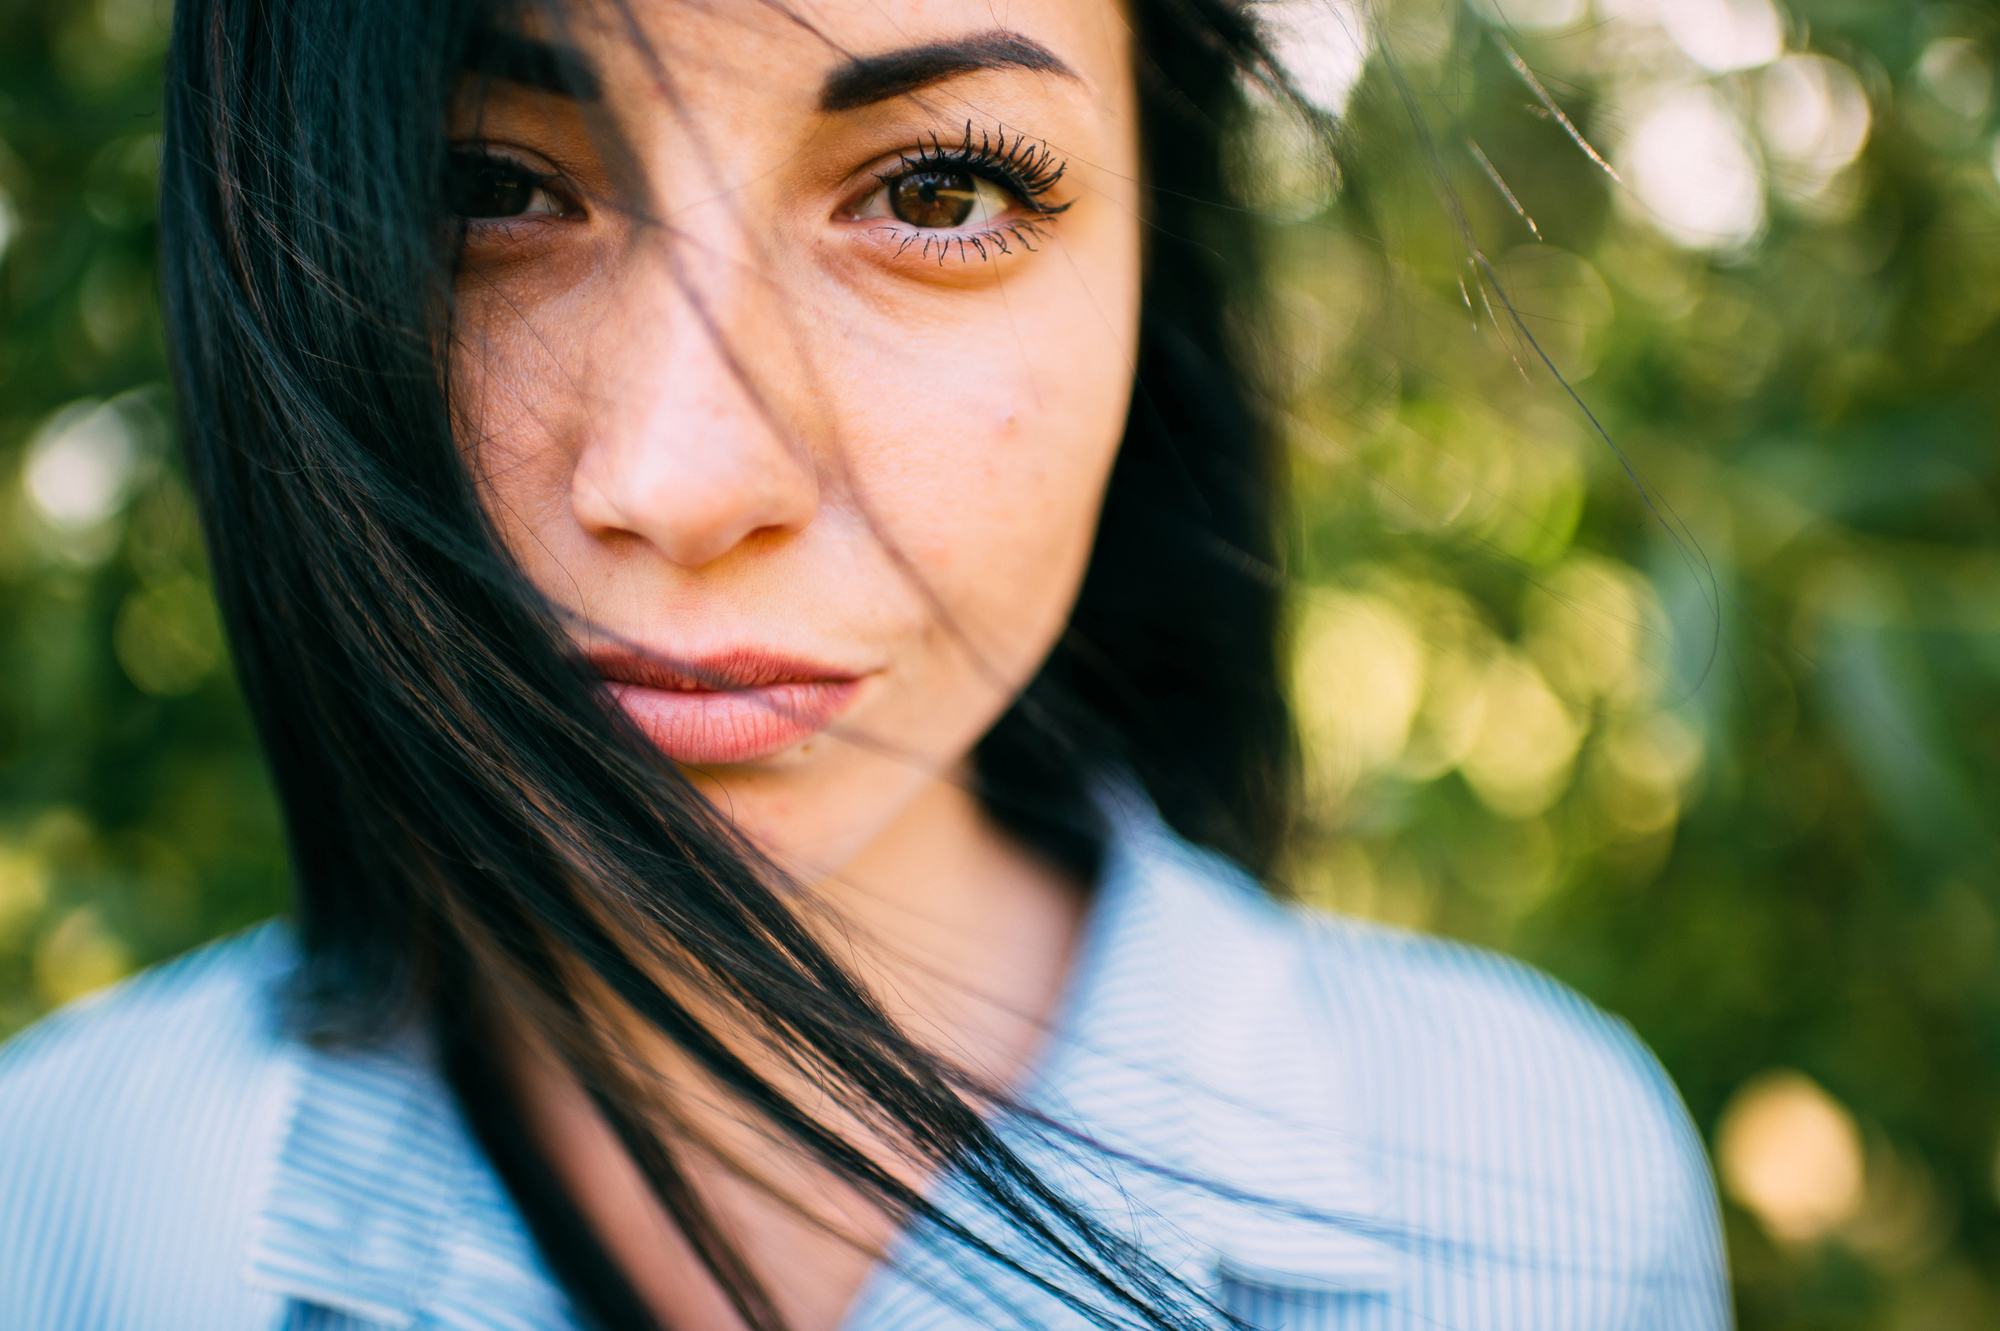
(868, 79)
(532, 63)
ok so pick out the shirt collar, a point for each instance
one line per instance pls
(1195, 1041)
(379, 1203)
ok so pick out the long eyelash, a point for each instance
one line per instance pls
(1024, 230)
(1027, 167)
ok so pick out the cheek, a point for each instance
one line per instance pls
(981, 448)
(512, 396)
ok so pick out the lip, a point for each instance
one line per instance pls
(729, 707)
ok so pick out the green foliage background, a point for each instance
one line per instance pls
(1716, 745)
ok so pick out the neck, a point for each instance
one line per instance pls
(962, 936)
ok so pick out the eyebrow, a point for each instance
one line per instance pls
(544, 66)
(868, 79)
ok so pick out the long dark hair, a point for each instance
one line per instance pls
(467, 815)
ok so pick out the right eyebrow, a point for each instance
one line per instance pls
(544, 66)
(868, 79)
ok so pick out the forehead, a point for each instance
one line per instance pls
(835, 55)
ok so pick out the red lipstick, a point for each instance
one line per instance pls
(733, 707)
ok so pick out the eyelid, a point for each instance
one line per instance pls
(510, 152)
(546, 174)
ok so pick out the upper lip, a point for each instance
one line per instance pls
(715, 672)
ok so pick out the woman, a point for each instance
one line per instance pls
(751, 556)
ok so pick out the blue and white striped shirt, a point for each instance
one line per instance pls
(1343, 1127)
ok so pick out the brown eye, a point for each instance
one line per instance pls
(481, 186)
(937, 200)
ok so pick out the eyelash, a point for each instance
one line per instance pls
(550, 184)
(1026, 168)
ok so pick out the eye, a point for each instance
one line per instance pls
(482, 186)
(938, 199)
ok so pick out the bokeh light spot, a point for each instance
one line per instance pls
(1520, 761)
(80, 465)
(1322, 45)
(1791, 1154)
(79, 956)
(1814, 118)
(167, 637)
(1693, 174)
(1359, 680)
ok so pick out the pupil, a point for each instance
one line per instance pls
(485, 187)
(934, 200)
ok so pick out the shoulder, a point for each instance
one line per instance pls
(1441, 1009)
(1423, 1015)
(1428, 1005)
(1519, 1119)
(133, 1126)
(203, 1025)
(1499, 1112)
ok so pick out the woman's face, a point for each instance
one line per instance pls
(801, 402)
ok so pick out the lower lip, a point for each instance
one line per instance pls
(707, 726)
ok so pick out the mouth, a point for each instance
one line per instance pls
(733, 707)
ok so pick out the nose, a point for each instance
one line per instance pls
(687, 450)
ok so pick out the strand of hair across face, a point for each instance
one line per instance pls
(465, 813)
